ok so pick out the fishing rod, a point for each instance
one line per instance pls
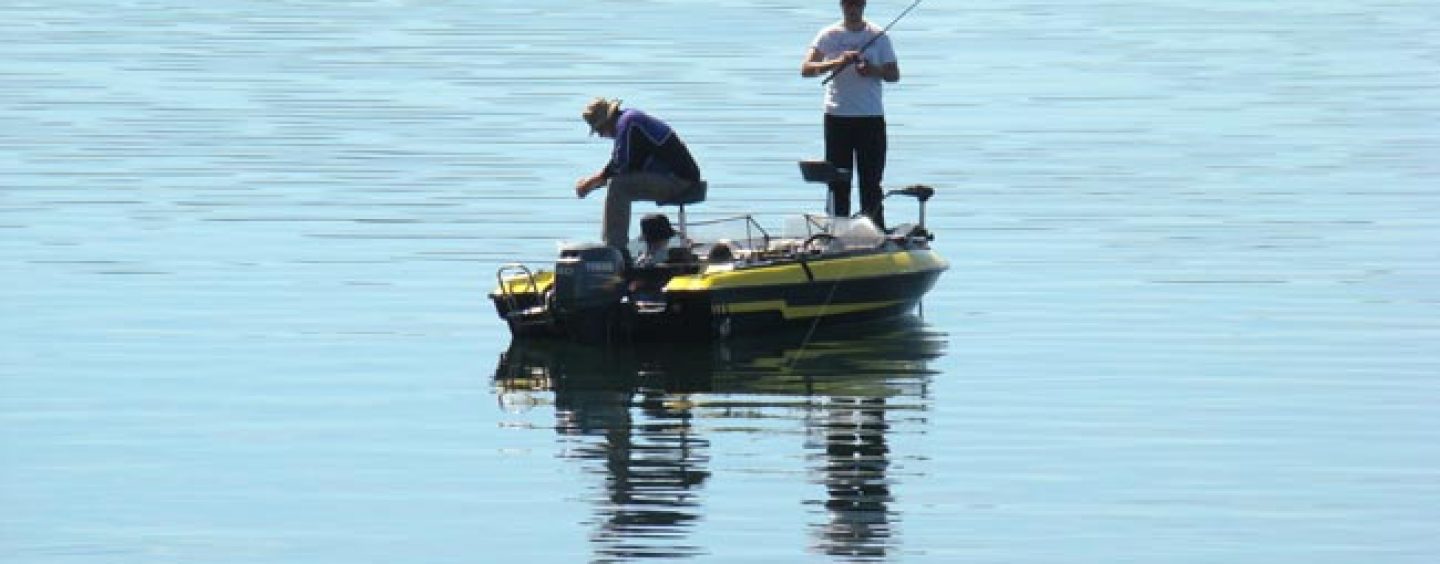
(867, 44)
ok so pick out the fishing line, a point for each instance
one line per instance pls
(824, 307)
(804, 343)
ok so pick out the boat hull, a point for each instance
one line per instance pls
(720, 304)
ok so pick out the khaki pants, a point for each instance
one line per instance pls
(626, 188)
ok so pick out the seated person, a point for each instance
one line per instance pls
(722, 251)
(656, 232)
(648, 162)
(646, 279)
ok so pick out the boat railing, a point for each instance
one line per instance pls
(816, 223)
(751, 229)
(804, 236)
(506, 291)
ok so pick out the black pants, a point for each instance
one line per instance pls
(857, 144)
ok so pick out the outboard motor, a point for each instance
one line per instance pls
(589, 282)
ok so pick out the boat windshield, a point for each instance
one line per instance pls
(851, 232)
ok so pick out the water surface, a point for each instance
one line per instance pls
(1191, 316)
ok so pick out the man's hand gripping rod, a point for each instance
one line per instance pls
(867, 44)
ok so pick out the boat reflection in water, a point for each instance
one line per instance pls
(647, 415)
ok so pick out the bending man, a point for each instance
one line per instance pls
(649, 162)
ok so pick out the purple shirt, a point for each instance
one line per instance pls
(646, 144)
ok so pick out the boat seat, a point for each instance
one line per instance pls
(822, 171)
(692, 195)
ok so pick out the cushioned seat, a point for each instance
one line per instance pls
(692, 195)
(822, 171)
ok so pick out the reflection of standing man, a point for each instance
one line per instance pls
(857, 462)
(854, 110)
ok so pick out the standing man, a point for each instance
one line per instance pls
(854, 110)
(649, 162)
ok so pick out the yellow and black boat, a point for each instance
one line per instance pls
(823, 270)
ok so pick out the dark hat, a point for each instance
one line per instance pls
(656, 227)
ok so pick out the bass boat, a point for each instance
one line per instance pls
(821, 270)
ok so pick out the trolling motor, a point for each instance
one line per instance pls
(920, 192)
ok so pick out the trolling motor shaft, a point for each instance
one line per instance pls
(920, 192)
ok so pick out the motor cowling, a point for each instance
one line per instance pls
(588, 276)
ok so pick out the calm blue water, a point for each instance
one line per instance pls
(1193, 314)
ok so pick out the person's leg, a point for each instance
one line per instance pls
(615, 224)
(840, 151)
(627, 188)
(871, 147)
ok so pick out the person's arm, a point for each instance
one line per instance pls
(888, 72)
(615, 165)
(881, 63)
(815, 63)
(588, 184)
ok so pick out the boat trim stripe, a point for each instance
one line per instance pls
(806, 311)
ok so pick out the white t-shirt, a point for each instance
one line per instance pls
(851, 94)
